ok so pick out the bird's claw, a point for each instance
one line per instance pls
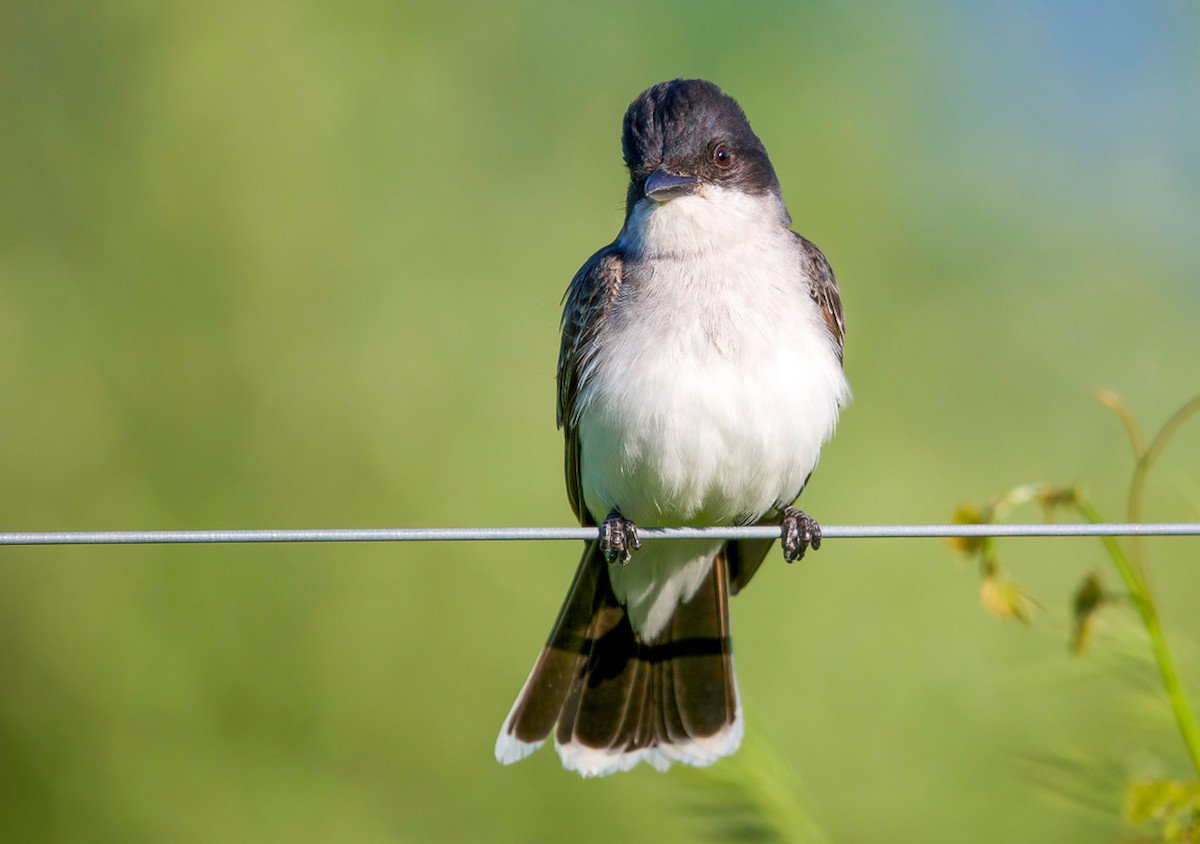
(800, 532)
(618, 538)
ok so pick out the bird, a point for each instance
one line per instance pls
(699, 375)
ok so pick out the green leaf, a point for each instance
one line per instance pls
(1148, 799)
(968, 546)
(1051, 498)
(1005, 599)
(1089, 598)
(1172, 803)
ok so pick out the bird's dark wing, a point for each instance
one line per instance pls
(823, 288)
(587, 302)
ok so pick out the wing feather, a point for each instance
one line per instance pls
(586, 306)
(823, 288)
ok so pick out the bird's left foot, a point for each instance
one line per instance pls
(800, 532)
(618, 538)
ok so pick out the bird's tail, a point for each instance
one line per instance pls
(617, 700)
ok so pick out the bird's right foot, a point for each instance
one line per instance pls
(618, 538)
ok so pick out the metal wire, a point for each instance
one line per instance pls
(178, 537)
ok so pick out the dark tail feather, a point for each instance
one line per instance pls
(618, 701)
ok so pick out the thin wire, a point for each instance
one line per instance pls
(178, 537)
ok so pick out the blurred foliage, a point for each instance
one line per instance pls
(1173, 805)
(1090, 596)
(756, 796)
(299, 265)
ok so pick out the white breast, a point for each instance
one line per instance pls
(712, 389)
(716, 382)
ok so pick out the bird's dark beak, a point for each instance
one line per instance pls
(662, 185)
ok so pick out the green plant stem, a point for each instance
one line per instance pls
(1145, 458)
(1142, 599)
(1113, 402)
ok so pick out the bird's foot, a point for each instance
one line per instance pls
(800, 532)
(619, 538)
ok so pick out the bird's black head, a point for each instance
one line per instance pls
(683, 134)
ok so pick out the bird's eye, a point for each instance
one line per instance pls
(722, 155)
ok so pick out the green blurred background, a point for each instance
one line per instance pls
(293, 264)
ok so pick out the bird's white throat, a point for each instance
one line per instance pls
(711, 219)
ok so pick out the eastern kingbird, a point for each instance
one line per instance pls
(699, 375)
